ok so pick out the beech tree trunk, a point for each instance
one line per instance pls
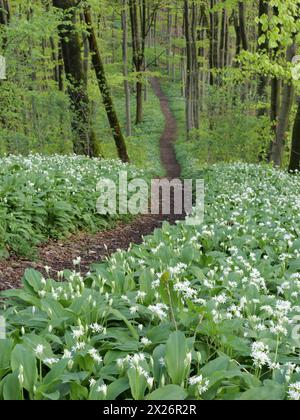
(242, 24)
(295, 152)
(214, 40)
(192, 76)
(283, 120)
(223, 40)
(84, 139)
(262, 47)
(138, 28)
(104, 88)
(169, 46)
(125, 68)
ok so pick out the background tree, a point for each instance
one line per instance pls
(84, 137)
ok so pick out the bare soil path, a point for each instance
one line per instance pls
(93, 248)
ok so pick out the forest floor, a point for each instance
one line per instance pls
(94, 248)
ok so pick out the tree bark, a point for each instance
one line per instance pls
(295, 152)
(242, 24)
(283, 120)
(4, 19)
(222, 58)
(104, 89)
(125, 68)
(84, 141)
(137, 18)
(237, 33)
(261, 48)
(192, 77)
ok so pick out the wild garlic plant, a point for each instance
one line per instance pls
(213, 313)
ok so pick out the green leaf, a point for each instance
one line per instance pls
(5, 353)
(21, 356)
(169, 392)
(11, 388)
(271, 391)
(117, 388)
(118, 315)
(176, 353)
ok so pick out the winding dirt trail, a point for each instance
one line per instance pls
(93, 248)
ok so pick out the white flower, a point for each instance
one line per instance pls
(133, 310)
(95, 356)
(146, 342)
(77, 261)
(39, 350)
(159, 310)
(260, 354)
(102, 389)
(51, 361)
(220, 299)
(294, 392)
(78, 333)
(92, 382)
(21, 375)
(141, 296)
(150, 382)
(201, 383)
(96, 328)
(67, 354)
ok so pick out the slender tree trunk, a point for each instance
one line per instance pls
(138, 47)
(222, 58)
(237, 33)
(125, 69)
(195, 67)
(275, 92)
(242, 20)
(60, 68)
(283, 121)
(262, 48)
(211, 43)
(295, 152)
(189, 100)
(169, 36)
(4, 19)
(104, 88)
(174, 47)
(192, 80)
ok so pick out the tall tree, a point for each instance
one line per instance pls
(192, 76)
(138, 31)
(284, 115)
(104, 88)
(214, 39)
(242, 26)
(125, 68)
(295, 150)
(84, 137)
(262, 48)
(4, 18)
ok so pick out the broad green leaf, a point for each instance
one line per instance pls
(176, 355)
(169, 392)
(22, 357)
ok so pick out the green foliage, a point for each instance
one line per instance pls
(230, 337)
(143, 145)
(230, 130)
(51, 197)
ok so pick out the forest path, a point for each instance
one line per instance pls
(169, 136)
(94, 248)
